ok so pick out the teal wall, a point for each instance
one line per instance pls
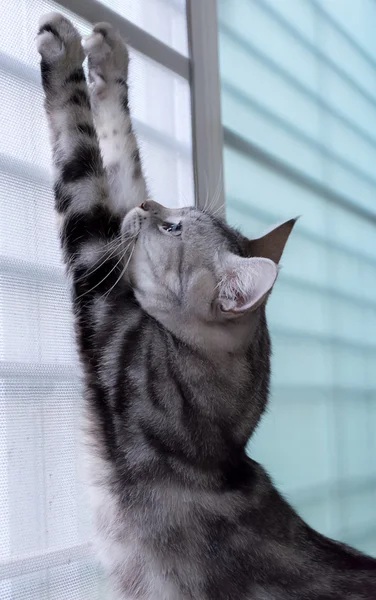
(299, 111)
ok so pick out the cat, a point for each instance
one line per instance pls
(169, 308)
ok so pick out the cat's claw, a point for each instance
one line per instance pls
(107, 54)
(58, 38)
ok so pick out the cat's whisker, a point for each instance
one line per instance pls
(211, 205)
(98, 266)
(121, 238)
(105, 277)
(120, 276)
(110, 250)
(218, 284)
(216, 195)
(218, 210)
(108, 253)
(207, 192)
(218, 188)
(208, 204)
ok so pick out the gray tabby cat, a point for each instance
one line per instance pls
(170, 315)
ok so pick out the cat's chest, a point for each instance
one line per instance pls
(137, 570)
(138, 547)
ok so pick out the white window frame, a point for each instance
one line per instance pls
(206, 105)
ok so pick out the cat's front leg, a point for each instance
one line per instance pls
(108, 73)
(80, 183)
(90, 229)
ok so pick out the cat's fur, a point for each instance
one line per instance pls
(175, 349)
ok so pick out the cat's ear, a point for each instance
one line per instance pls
(245, 283)
(272, 243)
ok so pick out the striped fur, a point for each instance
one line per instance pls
(174, 383)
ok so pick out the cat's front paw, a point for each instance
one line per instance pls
(58, 40)
(108, 56)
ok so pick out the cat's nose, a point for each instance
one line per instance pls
(151, 206)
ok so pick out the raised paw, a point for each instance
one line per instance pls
(59, 41)
(108, 56)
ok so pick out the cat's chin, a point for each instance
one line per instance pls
(132, 223)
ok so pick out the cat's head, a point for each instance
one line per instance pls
(197, 275)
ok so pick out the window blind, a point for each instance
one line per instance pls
(45, 534)
(299, 115)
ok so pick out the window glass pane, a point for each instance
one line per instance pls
(291, 104)
(318, 437)
(164, 19)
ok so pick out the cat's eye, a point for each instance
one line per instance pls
(174, 228)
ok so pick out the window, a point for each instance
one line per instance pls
(45, 552)
(299, 116)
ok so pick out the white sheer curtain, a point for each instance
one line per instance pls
(44, 535)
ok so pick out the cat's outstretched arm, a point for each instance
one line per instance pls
(108, 75)
(94, 249)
